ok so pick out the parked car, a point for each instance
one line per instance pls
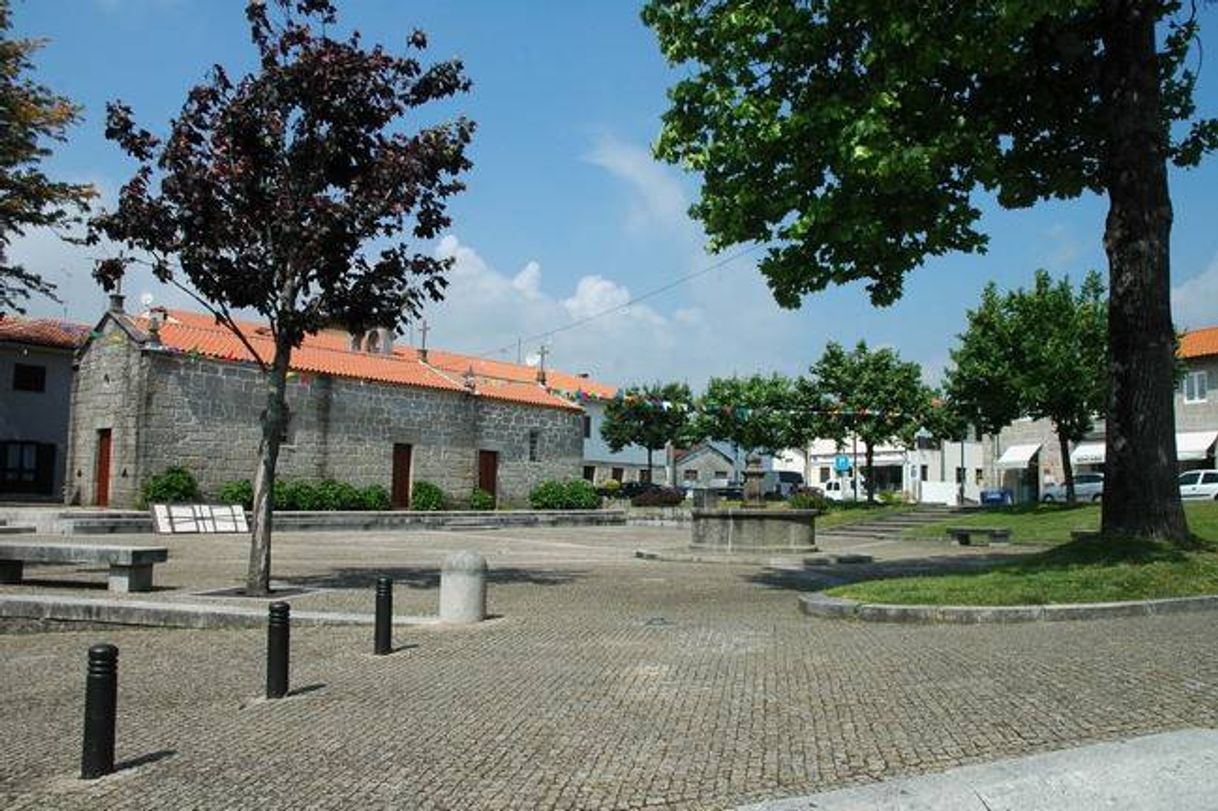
(1199, 484)
(786, 482)
(1087, 487)
(632, 489)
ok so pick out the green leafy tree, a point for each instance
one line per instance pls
(852, 137)
(1044, 351)
(648, 416)
(878, 396)
(757, 414)
(288, 192)
(30, 115)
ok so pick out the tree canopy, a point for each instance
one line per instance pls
(296, 191)
(872, 394)
(648, 416)
(1046, 349)
(31, 115)
(757, 414)
(851, 137)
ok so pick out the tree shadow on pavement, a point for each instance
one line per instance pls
(428, 577)
(816, 578)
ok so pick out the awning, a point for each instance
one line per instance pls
(1018, 456)
(1087, 453)
(1194, 445)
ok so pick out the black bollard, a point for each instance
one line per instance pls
(101, 702)
(384, 616)
(277, 632)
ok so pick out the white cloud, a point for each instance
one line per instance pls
(657, 200)
(1194, 302)
(528, 280)
(594, 295)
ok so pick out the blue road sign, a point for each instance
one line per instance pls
(841, 463)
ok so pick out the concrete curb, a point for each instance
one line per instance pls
(825, 607)
(172, 615)
(751, 558)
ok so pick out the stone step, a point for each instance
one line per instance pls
(5, 529)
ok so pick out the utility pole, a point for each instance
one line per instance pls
(541, 366)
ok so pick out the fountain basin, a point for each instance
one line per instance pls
(754, 530)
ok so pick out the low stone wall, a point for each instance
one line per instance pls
(748, 530)
(100, 523)
(658, 517)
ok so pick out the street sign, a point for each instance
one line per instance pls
(841, 463)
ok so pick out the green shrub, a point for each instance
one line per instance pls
(809, 500)
(659, 497)
(335, 495)
(374, 497)
(891, 497)
(426, 497)
(174, 484)
(581, 495)
(611, 488)
(575, 494)
(481, 500)
(238, 492)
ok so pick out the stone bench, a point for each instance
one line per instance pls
(964, 535)
(130, 566)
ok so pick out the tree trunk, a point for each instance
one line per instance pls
(1067, 467)
(870, 473)
(258, 577)
(650, 475)
(1141, 496)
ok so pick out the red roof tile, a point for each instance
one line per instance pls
(329, 353)
(1199, 343)
(42, 331)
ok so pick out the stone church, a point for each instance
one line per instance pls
(174, 388)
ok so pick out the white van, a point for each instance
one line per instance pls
(843, 489)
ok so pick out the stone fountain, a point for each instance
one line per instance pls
(753, 528)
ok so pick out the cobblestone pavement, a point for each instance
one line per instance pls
(604, 683)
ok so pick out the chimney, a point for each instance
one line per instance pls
(156, 317)
(116, 303)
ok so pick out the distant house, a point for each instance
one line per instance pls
(174, 388)
(35, 381)
(704, 466)
(1027, 455)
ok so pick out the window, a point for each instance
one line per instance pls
(589, 473)
(26, 467)
(1194, 387)
(1189, 478)
(825, 474)
(721, 474)
(978, 476)
(645, 476)
(1209, 478)
(587, 427)
(960, 475)
(616, 474)
(690, 475)
(925, 472)
(534, 437)
(27, 377)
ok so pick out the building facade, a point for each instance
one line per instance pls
(1026, 455)
(36, 380)
(174, 388)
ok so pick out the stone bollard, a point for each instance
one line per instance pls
(463, 588)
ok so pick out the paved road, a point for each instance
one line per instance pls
(606, 683)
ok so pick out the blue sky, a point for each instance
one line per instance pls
(566, 214)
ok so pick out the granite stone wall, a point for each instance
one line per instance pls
(204, 415)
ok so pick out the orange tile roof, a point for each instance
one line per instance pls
(1199, 343)
(329, 353)
(43, 331)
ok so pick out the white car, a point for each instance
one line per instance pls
(1087, 487)
(843, 489)
(1199, 484)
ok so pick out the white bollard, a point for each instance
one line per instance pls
(463, 588)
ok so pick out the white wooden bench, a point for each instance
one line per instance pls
(130, 566)
(190, 519)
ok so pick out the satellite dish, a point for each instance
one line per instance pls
(146, 299)
(532, 360)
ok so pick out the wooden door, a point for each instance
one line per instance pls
(488, 471)
(101, 476)
(400, 498)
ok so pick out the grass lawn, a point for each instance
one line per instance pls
(1030, 523)
(1076, 572)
